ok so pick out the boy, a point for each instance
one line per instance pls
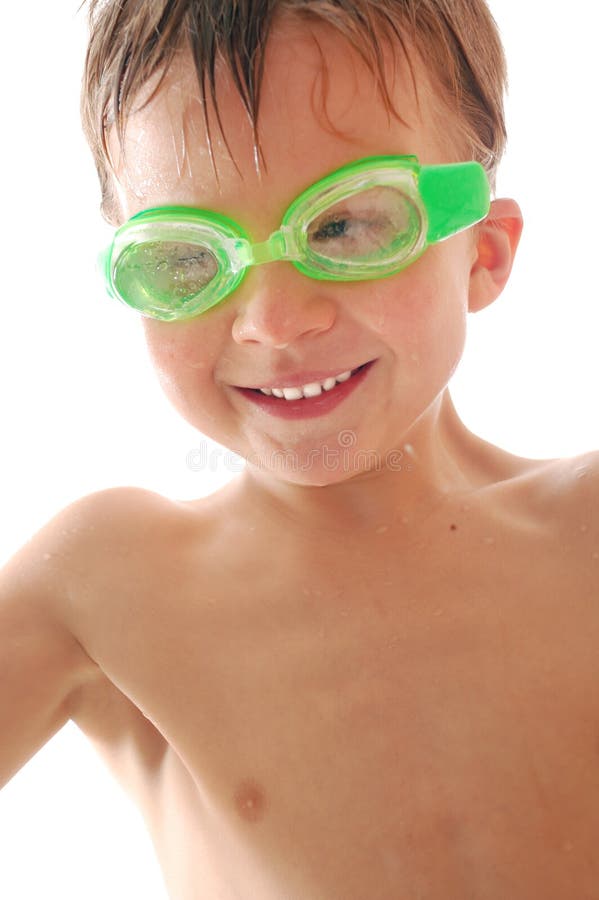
(340, 676)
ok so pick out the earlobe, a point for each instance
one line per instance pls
(498, 238)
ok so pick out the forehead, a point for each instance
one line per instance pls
(320, 107)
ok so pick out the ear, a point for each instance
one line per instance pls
(496, 245)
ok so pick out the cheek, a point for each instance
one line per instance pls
(422, 311)
(182, 355)
(178, 345)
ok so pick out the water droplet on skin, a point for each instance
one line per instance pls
(595, 555)
(47, 556)
(405, 520)
(584, 528)
(465, 507)
(382, 529)
(489, 540)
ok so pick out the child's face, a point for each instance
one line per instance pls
(279, 321)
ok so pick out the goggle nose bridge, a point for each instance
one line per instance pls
(281, 245)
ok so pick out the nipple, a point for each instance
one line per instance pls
(250, 801)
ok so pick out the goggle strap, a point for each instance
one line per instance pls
(456, 196)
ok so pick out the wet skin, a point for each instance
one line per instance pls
(352, 681)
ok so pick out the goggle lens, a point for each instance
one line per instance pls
(163, 275)
(368, 227)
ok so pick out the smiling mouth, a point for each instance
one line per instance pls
(307, 391)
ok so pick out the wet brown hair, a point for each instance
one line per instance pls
(133, 40)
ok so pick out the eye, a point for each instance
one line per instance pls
(333, 228)
(165, 271)
(369, 225)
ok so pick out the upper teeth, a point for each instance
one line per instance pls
(307, 390)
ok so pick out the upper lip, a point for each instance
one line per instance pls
(296, 379)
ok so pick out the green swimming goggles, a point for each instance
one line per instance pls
(367, 220)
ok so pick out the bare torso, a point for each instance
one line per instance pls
(410, 716)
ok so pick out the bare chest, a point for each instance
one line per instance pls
(431, 733)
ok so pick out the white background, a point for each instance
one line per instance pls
(81, 409)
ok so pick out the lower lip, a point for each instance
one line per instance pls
(308, 407)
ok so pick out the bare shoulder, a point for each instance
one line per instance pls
(117, 507)
(549, 507)
(581, 475)
(115, 524)
(102, 511)
(565, 493)
(580, 487)
(48, 570)
(86, 527)
(108, 540)
(66, 571)
(572, 483)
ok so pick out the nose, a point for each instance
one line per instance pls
(278, 307)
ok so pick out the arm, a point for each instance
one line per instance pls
(41, 662)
